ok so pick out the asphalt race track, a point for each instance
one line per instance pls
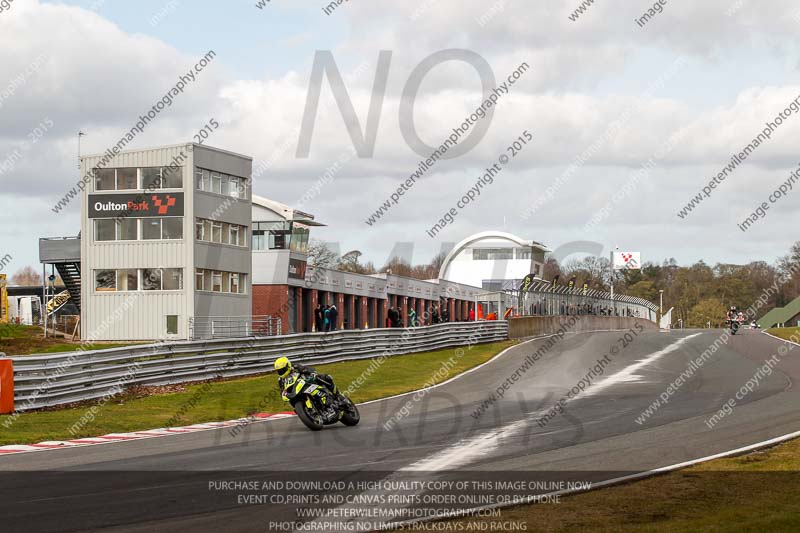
(168, 484)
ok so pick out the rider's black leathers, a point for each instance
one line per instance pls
(309, 372)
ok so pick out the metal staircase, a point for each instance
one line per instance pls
(65, 254)
(71, 276)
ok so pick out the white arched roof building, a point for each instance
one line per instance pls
(493, 260)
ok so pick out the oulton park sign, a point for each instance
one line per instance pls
(139, 205)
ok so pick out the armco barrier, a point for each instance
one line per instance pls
(532, 326)
(48, 380)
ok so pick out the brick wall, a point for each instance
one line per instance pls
(272, 300)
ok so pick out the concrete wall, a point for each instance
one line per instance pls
(532, 326)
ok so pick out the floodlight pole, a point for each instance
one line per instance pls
(613, 306)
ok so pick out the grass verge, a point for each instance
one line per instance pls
(226, 400)
(787, 334)
(752, 493)
(29, 340)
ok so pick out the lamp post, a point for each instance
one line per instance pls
(661, 301)
(613, 304)
(80, 134)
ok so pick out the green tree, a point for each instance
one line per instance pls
(644, 289)
(709, 310)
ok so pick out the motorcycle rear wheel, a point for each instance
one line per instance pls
(314, 423)
(351, 416)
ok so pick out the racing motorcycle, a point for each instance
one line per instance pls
(316, 405)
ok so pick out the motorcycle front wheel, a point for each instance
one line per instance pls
(310, 417)
(351, 416)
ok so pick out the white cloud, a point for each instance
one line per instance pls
(583, 76)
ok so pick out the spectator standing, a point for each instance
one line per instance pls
(334, 316)
(412, 318)
(318, 323)
(326, 318)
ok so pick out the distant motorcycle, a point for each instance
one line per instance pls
(735, 324)
(316, 405)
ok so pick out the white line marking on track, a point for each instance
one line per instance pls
(628, 374)
(266, 417)
(776, 337)
(469, 450)
(473, 369)
(615, 481)
(114, 438)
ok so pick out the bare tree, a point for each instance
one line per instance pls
(349, 262)
(398, 267)
(26, 276)
(320, 255)
(551, 269)
(430, 270)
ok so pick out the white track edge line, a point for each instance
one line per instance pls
(262, 420)
(780, 339)
(138, 438)
(473, 369)
(607, 483)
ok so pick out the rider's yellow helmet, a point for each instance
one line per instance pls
(283, 367)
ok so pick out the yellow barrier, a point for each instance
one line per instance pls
(58, 301)
(3, 300)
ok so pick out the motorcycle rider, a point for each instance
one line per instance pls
(284, 367)
(735, 318)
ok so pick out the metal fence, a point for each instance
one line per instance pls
(49, 380)
(543, 299)
(226, 327)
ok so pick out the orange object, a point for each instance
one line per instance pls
(508, 313)
(480, 312)
(6, 386)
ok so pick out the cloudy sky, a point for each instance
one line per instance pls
(685, 92)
